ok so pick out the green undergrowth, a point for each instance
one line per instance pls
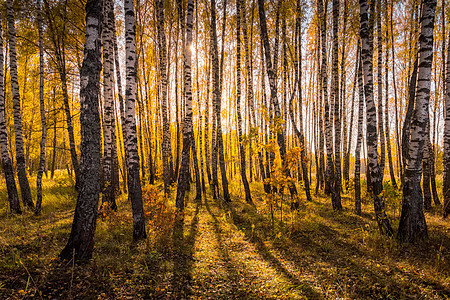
(218, 250)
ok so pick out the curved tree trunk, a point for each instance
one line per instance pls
(298, 75)
(387, 125)
(374, 175)
(412, 225)
(20, 157)
(42, 110)
(81, 240)
(6, 162)
(134, 181)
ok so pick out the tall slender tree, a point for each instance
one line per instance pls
(374, 175)
(134, 181)
(42, 110)
(336, 191)
(380, 91)
(386, 84)
(166, 138)
(249, 89)
(6, 162)
(412, 225)
(20, 157)
(446, 154)
(108, 95)
(359, 134)
(81, 240)
(298, 75)
(188, 131)
(243, 167)
(217, 70)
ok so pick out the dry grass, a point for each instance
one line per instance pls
(221, 251)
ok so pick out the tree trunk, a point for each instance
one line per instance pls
(166, 138)
(298, 75)
(446, 154)
(108, 94)
(359, 134)
(248, 197)
(387, 125)
(81, 240)
(134, 182)
(426, 164)
(217, 89)
(336, 190)
(42, 110)
(188, 132)
(374, 181)
(412, 225)
(380, 92)
(6, 162)
(346, 171)
(20, 157)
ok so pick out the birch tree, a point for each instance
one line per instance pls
(20, 157)
(166, 138)
(446, 154)
(188, 131)
(81, 240)
(298, 76)
(134, 181)
(336, 191)
(374, 181)
(42, 111)
(6, 162)
(412, 225)
(359, 135)
(108, 95)
(248, 196)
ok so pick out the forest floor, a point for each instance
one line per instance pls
(221, 251)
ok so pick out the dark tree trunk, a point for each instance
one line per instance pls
(81, 240)
(40, 172)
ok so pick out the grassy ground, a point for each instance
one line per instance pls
(221, 251)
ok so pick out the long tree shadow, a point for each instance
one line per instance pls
(304, 286)
(233, 274)
(183, 260)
